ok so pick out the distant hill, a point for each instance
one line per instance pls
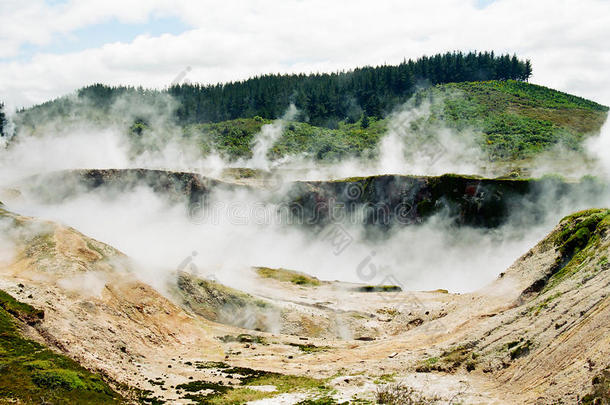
(515, 120)
(323, 99)
(346, 113)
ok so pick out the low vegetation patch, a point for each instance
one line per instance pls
(517, 348)
(20, 310)
(401, 394)
(544, 303)
(210, 364)
(385, 378)
(378, 288)
(309, 347)
(391, 312)
(204, 392)
(449, 361)
(288, 276)
(241, 338)
(324, 400)
(600, 390)
(520, 349)
(577, 241)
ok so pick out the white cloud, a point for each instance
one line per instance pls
(566, 40)
(37, 22)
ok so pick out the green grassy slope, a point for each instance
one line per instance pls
(518, 119)
(235, 138)
(511, 119)
(33, 374)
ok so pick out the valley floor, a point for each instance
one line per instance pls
(539, 334)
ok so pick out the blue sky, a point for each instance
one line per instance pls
(97, 35)
(483, 3)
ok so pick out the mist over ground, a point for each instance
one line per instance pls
(161, 235)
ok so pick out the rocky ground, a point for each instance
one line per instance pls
(539, 334)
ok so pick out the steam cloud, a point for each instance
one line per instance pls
(159, 234)
(269, 135)
(599, 148)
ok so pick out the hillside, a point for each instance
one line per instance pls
(342, 115)
(323, 99)
(519, 119)
(511, 120)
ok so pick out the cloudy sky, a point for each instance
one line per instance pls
(50, 48)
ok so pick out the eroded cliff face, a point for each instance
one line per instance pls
(383, 201)
(390, 200)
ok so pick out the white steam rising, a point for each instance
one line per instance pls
(239, 230)
(160, 235)
(241, 234)
(96, 140)
(599, 147)
(433, 151)
(266, 138)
